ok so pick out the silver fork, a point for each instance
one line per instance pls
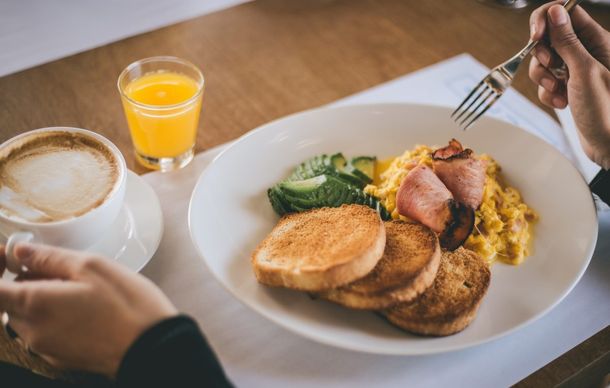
(491, 88)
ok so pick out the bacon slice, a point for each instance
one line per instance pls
(454, 148)
(424, 198)
(460, 227)
(463, 175)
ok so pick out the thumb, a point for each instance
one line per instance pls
(47, 261)
(565, 41)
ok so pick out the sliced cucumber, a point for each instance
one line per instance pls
(310, 168)
(277, 201)
(353, 171)
(366, 164)
(338, 161)
(303, 186)
(320, 191)
(335, 165)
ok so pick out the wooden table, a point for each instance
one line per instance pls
(266, 59)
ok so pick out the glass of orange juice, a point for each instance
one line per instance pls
(162, 100)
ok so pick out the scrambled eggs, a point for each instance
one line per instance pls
(390, 173)
(503, 222)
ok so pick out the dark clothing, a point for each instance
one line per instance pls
(173, 353)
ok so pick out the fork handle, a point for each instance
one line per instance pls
(568, 5)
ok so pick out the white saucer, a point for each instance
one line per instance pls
(135, 236)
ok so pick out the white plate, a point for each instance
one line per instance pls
(229, 215)
(136, 234)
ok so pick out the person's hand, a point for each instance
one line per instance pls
(584, 46)
(77, 310)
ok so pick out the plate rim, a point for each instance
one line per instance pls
(377, 349)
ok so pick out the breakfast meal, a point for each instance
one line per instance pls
(55, 175)
(411, 238)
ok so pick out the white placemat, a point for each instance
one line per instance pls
(33, 32)
(580, 160)
(258, 353)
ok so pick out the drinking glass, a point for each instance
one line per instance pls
(162, 100)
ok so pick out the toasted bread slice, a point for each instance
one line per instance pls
(321, 248)
(408, 266)
(451, 303)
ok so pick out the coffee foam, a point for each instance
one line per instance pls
(55, 175)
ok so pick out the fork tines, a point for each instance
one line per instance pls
(465, 115)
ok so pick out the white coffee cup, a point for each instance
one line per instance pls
(79, 231)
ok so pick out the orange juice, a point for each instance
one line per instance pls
(162, 110)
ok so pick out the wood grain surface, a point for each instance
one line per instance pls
(587, 365)
(266, 59)
(261, 61)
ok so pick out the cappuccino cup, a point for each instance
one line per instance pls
(60, 186)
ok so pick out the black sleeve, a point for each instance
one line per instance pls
(173, 353)
(600, 185)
